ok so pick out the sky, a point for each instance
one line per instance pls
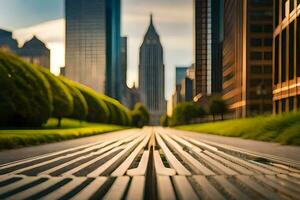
(172, 18)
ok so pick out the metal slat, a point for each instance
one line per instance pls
(141, 169)
(160, 169)
(165, 189)
(36, 189)
(116, 159)
(183, 188)
(65, 189)
(121, 170)
(20, 183)
(210, 191)
(118, 188)
(91, 189)
(230, 188)
(198, 167)
(174, 163)
(137, 188)
(264, 192)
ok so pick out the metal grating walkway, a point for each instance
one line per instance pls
(151, 164)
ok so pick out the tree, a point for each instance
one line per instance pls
(164, 120)
(140, 115)
(62, 98)
(217, 106)
(25, 95)
(184, 113)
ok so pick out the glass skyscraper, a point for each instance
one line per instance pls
(93, 44)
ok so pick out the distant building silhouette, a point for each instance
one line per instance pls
(33, 51)
(180, 74)
(152, 74)
(133, 97)
(7, 42)
(93, 44)
(36, 52)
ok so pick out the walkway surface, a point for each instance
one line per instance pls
(152, 163)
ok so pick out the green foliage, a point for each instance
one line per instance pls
(185, 112)
(25, 95)
(217, 106)
(80, 106)
(164, 120)
(283, 128)
(97, 108)
(140, 115)
(62, 98)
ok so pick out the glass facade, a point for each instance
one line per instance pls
(286, 55)
(93, 44)
(208, 45)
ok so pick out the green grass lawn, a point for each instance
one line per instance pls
(70, 129)
(284, 129)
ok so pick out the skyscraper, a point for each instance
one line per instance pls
(152, 74)
(180, 74)
(93, 44)
(247, 56)
(124, 88)
(286, 60)
(208, 35)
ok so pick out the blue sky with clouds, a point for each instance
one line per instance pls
(45, 18)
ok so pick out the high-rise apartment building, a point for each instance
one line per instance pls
(247, 56)
(286, 60)
(208, 36)
(93, 44)
(152, 75)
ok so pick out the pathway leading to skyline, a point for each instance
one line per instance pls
(152, 163)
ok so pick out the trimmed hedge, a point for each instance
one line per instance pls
(80, 106)
(62, 98)
(30, 95)
(25, 95)
(97, 108)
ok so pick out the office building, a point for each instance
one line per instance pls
(93, 44)
(180, 74)
(208, 36)
(247, 56)
(152, 75)
(286, 61)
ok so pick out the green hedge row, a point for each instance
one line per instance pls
(30, 95)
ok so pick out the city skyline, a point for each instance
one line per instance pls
(175, 28)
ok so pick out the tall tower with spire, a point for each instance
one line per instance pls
(152, 74)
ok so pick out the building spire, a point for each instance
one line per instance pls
(151, 18)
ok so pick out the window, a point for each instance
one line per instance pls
(256, 42)
(283, 56)
(276, 60)
(268, 69)
(283, 105)
(256, 55)
(256, 69)
(291, 51)
(268, 55)
(268, 28)
(256, 29)
(291, 104)
(268, 42)
(276, 107)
